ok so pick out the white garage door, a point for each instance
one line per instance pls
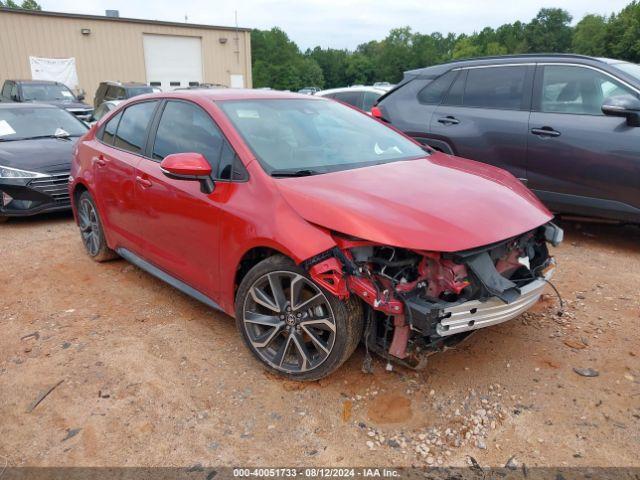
(172, 61)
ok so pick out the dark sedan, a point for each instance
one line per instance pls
(36, 144)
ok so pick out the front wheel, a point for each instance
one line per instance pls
(294, 327)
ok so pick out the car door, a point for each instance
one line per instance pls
(179, 222)
(579, 160)
(116, 152)
(485, 115)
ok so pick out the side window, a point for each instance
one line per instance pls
(577, 90)
(110, 128)
(100, 112)
(456, 92)
(132, 130)
(369, 99)
(352, 98)
(114, 93)
(495, 87)
(231, 168)
(6, 89)
(432, 94)
(185, 127)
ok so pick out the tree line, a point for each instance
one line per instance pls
(278, 62)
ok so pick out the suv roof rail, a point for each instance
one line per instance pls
(510, 56)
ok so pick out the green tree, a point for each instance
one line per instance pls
(333, 64)
(623, 34)
(26, 5)
(589, 36)
(466, 47)
(278, 63)
(512, 37)
(549, 31)
(360, 70)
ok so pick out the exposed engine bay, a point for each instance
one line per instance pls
(420, 302)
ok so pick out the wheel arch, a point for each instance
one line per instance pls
(76, 190)
(251, 258)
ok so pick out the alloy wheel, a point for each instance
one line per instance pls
(289, 322)
(89, 227)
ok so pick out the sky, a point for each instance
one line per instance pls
(340, 23)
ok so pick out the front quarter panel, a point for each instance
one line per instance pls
(254, 214)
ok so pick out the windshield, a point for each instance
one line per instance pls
(314, 136)
(46, 92)
(21, 123)
(630, 68)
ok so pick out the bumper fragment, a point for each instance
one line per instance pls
(475, 314)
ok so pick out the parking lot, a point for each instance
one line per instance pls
(151, 377)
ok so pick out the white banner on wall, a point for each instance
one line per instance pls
(57, 69)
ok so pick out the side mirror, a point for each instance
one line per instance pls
(623, 106)
(15, 98)
(189, 166)
(80, 97)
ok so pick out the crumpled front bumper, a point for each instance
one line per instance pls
(475, 314)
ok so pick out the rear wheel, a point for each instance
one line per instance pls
(91, 230)
(294, 327)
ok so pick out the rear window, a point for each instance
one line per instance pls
(495, 87)
(352, 98)
(132, 130)
(143, 90)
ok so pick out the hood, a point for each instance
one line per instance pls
(438, 203)
(45, 155)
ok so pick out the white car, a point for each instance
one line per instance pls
(359, 96)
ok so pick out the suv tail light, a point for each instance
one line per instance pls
(377, 113)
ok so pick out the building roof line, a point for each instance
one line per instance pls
(81, 16)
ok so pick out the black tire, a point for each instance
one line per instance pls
(308, 324)
(91, 231)
(3, 219)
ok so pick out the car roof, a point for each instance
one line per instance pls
(359, 88)
(47, 82)
(125, 84)
(507, 59)
(220, 94)
(8, 105)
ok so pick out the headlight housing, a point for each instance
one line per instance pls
(8, 172)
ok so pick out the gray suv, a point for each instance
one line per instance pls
(566, 125)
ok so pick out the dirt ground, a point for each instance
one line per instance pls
(152, 377)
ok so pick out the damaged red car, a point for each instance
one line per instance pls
(313, 224)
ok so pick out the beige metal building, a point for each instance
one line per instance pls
(165, 54)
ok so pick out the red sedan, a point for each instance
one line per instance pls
(313, 224)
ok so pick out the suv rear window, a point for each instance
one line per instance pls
(495, 87)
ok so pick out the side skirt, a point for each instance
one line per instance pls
(165, 277)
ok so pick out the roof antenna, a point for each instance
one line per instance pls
(186, 19)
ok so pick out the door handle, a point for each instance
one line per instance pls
(100, 161)
(545, 132)
(449, 120)
(144, 183)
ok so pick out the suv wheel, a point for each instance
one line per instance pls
(91, 230)
(294, 327)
